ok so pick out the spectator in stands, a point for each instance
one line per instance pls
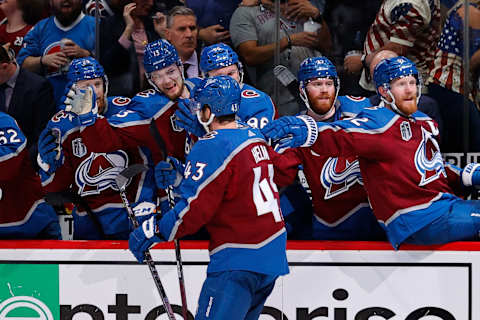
(24, 213)
(25, 96)
(349, 21)
(21, 16)
(410, 28)
(182, 32)
(213, 19)
(446, 77)
(252, 29)
(56, 40)
(123, 37)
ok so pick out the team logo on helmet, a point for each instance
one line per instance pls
(428, 159)
(78, 148)
(338, 178)
(97, 172)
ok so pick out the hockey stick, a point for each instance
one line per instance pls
(289, 81)
(171, 201)
(121, 181)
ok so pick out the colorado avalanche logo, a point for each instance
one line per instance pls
(248, 93)
(428, 159)
(337, 180)
(97, 172)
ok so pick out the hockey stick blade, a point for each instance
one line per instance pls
(126, 174)
(285, 76)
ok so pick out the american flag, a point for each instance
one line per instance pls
(447, 67)
(412, 23)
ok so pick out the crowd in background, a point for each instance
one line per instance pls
(40, 39)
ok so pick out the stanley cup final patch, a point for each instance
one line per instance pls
(78, 148)
(405, 130)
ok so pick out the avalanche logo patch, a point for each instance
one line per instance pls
(248, 93)
(428, 159)
(337, 177)
(98, 172)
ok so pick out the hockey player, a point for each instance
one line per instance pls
(400, 160)
(256, 107)
(247, 234)
(164, 72)
(92, 174)
(340, 203)
(23, 212)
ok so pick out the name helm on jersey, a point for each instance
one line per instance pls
(393, 68)
(317, 68)
(222, 94)
(218, 56)
(158, 55)
(86, 69)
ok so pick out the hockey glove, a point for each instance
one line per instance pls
(187, 119)
(82, 102)
(50, 155)
(471, 175)
(143, 237)
(169, 173)
(291, 132)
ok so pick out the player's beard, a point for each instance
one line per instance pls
(101, 105)
(67, 18)
(321, 107)
(407, 105)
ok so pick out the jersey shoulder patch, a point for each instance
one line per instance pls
(147, 103)
(65, 121)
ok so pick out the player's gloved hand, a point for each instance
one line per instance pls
(187, 119)
(143, 237)
(471, 175)
(82, 102)
(50, 155)
(291, 132)
(169, 173)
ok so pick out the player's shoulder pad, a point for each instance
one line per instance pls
(115, 105)
(191, 83)
(369, 120)
(350, 106)
(419, 115)
(127, 118)
(147, 103)
(249, 92)
(65, 121)
(7, 121)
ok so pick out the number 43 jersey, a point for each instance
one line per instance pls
(228, 187)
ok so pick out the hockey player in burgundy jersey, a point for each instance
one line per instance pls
(402, 168)
(131, 127)
(227, 187)
(23, 212)
(256, 107)
(92, 173)
(340, 204)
